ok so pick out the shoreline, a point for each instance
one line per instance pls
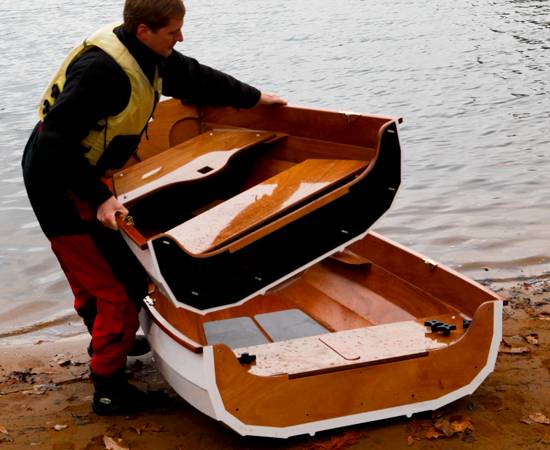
(68, 325)
(45, 396)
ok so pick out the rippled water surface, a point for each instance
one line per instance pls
(470, 80)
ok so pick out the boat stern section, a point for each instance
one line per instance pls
(283, 405)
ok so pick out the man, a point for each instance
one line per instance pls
(91, 118)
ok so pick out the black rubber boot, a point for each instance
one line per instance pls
(114, 395)
(139, 347)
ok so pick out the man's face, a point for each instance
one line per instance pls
(163, 40)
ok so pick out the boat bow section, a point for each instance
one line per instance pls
(316, 217)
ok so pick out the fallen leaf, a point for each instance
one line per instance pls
(147, 427)
(110, 444)
(532, 338)
(459, 424)
(514, 341)
(59, 427)
(444, 425)
(337, 442)
(452, 425)
(527, 421)
(539, 417)
(506, 348)
(138, 430)
(433, 433)
(410, 441)
(153, 429)
(24, 376)
(43, 388)
(3, 430)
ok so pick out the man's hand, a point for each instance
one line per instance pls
(107, 211)
(271, 99)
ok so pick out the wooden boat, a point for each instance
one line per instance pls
(228, 204)
(274, 310)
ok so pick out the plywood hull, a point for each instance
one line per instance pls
(238, 222)
(274, 309)
(211, 377)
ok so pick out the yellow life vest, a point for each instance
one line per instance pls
(133, 119)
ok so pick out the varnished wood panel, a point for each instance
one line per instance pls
(350, 287)
(434, 279)
(264, 168)
(346, 128)
(259, 204)
(163, 131)
(324, 309)
(329, 313)
(261, 304)
(280, 401)
(126, 225)
(299, 148)
(298, 357)
(185, 321)
(296, 149)
(396, 291)
(289, 217)
(209, 151)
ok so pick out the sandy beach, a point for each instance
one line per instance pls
(45, 396)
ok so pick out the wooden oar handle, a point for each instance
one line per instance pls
(126, 225)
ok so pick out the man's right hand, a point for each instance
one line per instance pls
(107, 211)
(271, 99)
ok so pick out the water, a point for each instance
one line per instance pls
(469, 78)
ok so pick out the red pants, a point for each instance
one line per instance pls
(107, 280)
(96, 290)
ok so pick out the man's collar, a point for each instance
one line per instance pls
(137, 48)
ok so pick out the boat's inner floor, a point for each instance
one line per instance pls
(341, 312)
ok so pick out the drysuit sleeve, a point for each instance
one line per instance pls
(186, 79)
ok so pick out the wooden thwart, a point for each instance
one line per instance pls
(261, 203)
(344, 348)
(193, 159)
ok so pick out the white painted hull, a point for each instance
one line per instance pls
(192, 376)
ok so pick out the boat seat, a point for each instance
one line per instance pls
(193, 159)
(263, 203)
(332, 351)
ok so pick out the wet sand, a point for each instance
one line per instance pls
(45, 396)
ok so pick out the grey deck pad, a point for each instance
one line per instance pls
(237, 332)
(289, 324)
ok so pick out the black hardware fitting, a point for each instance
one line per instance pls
(55, 91)
(433, 324)
(446, 328)
(46, 107)
(466, 323)
(246, 358)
